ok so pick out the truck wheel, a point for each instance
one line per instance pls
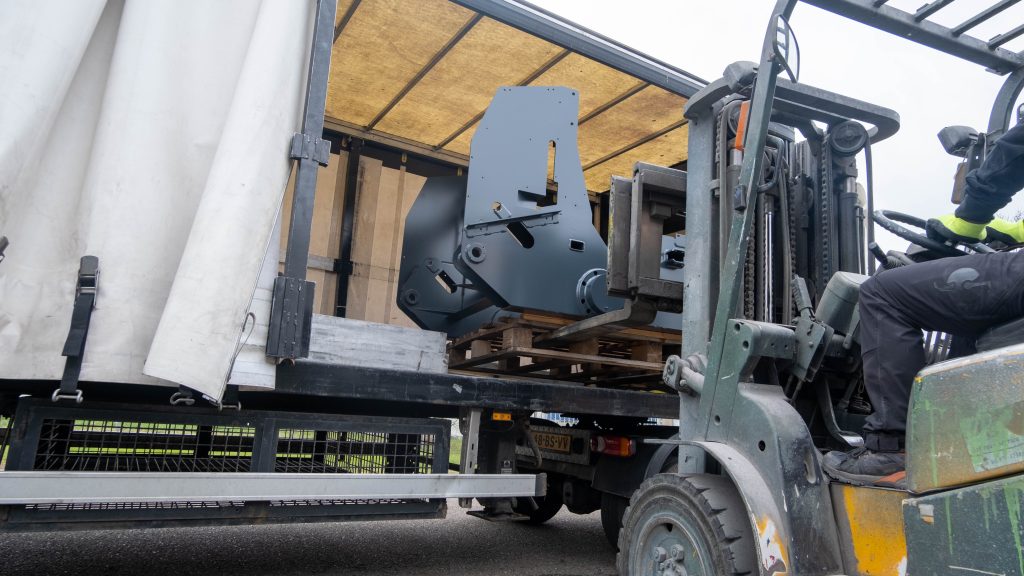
(612, 509)
(695, 525)
(547, 506)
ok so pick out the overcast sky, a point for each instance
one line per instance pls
(928, 89)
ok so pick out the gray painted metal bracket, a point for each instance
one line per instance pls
(508, 182)
(111, 487)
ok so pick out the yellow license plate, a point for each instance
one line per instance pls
(553, 442)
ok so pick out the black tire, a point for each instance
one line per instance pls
(700, 518)
(547, 506)
(613, 508)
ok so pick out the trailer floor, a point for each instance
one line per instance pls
(568, 545)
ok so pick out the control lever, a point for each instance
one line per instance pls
(877, 252)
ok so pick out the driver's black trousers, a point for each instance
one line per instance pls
(962, 296)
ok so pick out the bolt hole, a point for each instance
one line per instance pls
(736, 327)
(476, 252)
(746, 344)
(761, 445)
(718, 419)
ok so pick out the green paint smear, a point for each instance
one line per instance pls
(949, 527)
(931, 442)
(989, 440)
(1013, 506)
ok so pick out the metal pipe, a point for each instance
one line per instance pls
(343, 267)
(869, 168)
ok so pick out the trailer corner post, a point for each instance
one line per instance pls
(292, 305)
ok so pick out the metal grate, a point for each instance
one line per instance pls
(107, 446)
(340, 451)
(128, 438)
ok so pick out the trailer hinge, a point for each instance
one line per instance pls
(86, 290)
(305, 147)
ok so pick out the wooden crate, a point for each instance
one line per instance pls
(510, 347)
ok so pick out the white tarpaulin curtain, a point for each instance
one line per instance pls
(154, 135)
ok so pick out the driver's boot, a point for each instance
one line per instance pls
(952, 229)
(1004, 232)
(865, 467)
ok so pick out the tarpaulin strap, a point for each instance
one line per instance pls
(183, 396)
(81, 315)
(230, 399)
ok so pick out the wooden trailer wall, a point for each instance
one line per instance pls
(384, 196)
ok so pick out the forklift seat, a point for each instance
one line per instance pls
(1002, 335)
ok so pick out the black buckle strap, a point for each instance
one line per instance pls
(228, 400)
(86, 291)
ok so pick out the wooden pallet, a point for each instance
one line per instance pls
(632, 357)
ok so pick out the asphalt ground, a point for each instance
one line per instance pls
(567, 545)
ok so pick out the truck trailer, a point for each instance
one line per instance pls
(205, 309)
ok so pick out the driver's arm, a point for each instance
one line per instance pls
(989, 188)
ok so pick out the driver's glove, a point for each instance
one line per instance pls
(1005, 232)
(950, 228)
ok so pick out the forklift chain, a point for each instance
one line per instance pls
(825, 213)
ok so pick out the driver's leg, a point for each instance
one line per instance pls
(960, 296)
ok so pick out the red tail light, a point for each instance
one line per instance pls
(613, 445)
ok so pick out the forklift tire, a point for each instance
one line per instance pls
(613, 508)
(547, 506)
(695, 525)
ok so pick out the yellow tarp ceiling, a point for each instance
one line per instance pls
(422, 73)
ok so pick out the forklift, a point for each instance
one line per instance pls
(779, 237)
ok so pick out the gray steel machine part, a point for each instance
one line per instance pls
(431, 288)
(517, 233)
(645, 266)
(525, 252)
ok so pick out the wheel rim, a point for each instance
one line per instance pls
(669, 544)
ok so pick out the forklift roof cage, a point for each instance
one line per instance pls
(954, 41)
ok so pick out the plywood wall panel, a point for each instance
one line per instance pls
(666, 150)
(645, 112)
(462, 84)
(382, 48)
(362, 236)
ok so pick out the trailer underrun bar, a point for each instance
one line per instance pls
(111, 487)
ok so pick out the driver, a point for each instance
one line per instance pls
(961, 296)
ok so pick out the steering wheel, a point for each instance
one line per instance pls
(888, 219)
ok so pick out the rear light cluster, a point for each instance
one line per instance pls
(613, 445)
